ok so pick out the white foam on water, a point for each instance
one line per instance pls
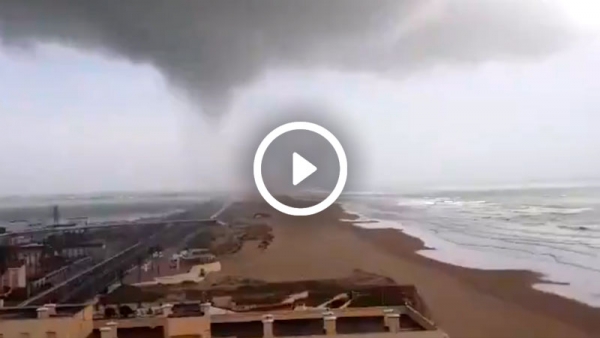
(416, 202)
(537, 210)
(578, 274)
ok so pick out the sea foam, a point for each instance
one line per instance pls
(469, 235)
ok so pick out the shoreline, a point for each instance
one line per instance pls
(511, 285)
(548, 278)
(463, 302)
(545, 281)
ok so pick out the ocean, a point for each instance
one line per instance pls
(552, 231)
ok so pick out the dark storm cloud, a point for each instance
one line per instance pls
(277, 161)
(208, 48)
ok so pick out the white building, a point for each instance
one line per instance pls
(15, 275)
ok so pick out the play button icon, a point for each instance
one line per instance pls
(317, 146)
(301, 169)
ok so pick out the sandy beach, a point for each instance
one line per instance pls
(463, 302)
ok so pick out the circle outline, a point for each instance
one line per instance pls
(321, 131)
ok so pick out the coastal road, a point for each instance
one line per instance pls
(89, 282)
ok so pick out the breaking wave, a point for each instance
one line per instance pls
(555, 233)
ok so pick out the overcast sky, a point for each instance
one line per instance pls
(441, 94)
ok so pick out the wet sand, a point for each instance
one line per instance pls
(463, 302)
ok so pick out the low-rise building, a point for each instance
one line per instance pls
(268, 310)
(77, 321)
(15, 275)
(49, 321)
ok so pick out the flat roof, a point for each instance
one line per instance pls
(30, 312)
(318, 292)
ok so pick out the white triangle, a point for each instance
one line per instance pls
(301, 168)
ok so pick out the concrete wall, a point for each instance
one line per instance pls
(31, 257)
(172, 326)
(187, 326)
(37, 328)
(83, 322)
(133, 322)
(192, 276)
(78, 326)
(15, 277)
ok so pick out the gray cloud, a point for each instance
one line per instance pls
(209, 48)
(277, 162)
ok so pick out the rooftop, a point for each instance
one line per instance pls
(244, 295)
(30, 312)
(130, 294)
(359, 322)
(188, 320)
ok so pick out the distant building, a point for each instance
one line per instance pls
(57, 276)
(19, 240)
(31, 254)
(199, 256)
(15, 275)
